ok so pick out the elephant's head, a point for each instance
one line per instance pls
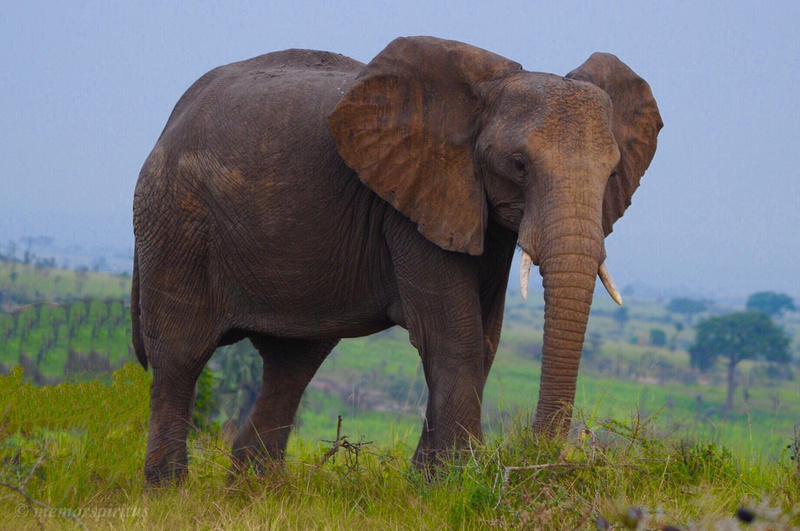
(450, 134)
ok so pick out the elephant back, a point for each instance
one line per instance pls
(297, 58)
(258, 70)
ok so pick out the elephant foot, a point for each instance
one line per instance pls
(553, 425)
(262, 457)
(166, 472)
(262, 466)
(427, 464)
(434, 464)
(425, 458)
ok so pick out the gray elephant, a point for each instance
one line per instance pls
(301, 197)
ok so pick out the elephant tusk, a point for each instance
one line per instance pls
(524, 274)
(608, 282)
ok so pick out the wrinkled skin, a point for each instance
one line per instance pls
(301, 197)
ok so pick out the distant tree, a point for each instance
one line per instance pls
(673, 342)
(687, 307)
(100, 264)
(628, 290)
(657, 337)
(770, 303)
(81, 275)
(12, 250)
(44, 265)
(736, 337)
(621, 316)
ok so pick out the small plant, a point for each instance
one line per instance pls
(794, 448)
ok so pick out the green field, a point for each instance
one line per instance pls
(92, 428)
(72, 339)
(762, 426)
(72, 455)
(22, 284)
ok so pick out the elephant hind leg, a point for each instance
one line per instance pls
(172, 397)
(289, 365)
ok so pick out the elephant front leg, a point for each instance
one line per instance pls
(454, 371)
(440, 293)
(289, 365)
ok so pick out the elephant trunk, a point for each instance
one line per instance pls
(569, 263)
(568, 290)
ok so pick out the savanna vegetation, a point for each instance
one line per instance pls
(654, 444)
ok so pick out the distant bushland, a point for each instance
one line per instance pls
(22, 284)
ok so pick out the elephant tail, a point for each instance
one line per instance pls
(136, 329)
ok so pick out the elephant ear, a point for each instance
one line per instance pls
(636, 126)
(407, 126)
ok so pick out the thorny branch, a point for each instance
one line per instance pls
(510, 469)
(353, 449)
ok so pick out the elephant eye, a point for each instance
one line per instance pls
(518, 166)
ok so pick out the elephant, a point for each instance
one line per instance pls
(301, 197)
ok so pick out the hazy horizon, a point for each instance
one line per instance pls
(87, 87)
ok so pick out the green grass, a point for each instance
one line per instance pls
(80, 448)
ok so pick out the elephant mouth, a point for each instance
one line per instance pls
(525, 274)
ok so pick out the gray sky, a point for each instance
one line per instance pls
(86, 87)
